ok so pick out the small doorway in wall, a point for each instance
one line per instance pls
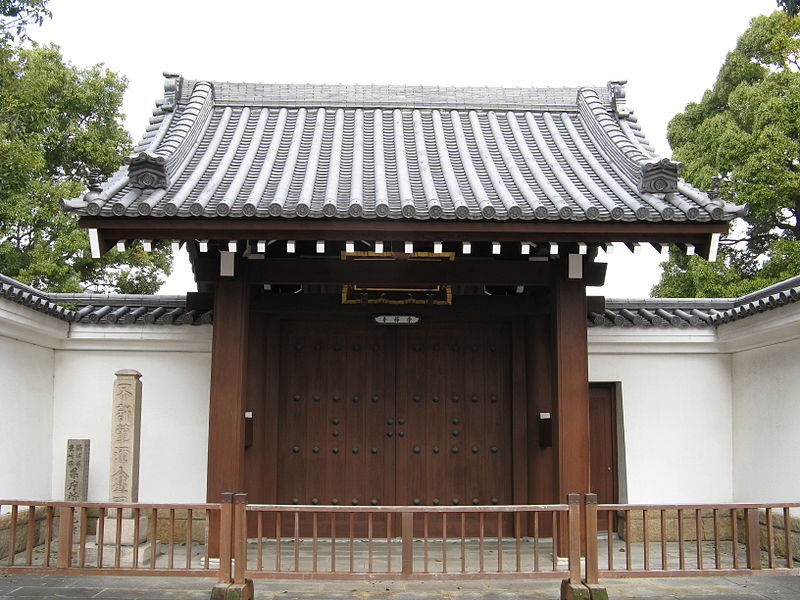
(603, 446)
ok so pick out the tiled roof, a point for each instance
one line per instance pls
(265, 150)
(694, 312)
(118, 309)
(170, 310)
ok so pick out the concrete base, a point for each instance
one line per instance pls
(233, 591)
(110, 531)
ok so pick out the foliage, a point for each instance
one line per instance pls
(746, 131)
(16, 15)
(56, 123)
(791, 7)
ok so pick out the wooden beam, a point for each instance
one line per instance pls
(289, 271)
(330, 306)
(112, 229)
(571, 394)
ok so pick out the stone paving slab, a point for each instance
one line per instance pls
(38, 587)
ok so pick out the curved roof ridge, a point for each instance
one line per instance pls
(393, 95)
(606, 133)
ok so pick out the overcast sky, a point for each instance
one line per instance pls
(670, 52)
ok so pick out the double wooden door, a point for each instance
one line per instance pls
(394, 415)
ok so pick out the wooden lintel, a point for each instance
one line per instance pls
(326, 306)
(288, 271)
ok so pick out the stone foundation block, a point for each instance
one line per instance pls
(597, 592)
(233, 591)
(574, 591)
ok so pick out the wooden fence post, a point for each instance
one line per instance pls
(590, 527)
(225, 530)
(574, 537)
(407, 533)
(752, 538)
(64, 537)
(239, 537)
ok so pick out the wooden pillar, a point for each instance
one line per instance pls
(228, 397)
(228, 388)
(570, 395)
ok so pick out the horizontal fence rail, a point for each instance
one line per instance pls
(401, 542)
(106, 538)
(233, 540)
(681, 540)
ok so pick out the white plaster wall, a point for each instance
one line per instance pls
(174, 430)
(766, 423)
(676, 415)
(26, 419)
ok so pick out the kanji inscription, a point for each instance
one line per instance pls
(126, 414)
(76, 480)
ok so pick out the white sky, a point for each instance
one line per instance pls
(669, 52)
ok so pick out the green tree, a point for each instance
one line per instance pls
(792, 7)
(16, 15)
(58, 122)
(745, 133)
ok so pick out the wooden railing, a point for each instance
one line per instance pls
(399, 542)
(668, 540)
(106, 538)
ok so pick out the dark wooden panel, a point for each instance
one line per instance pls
(519, 413)
(603, 445)
(255, 457)
(539, 362)
(333, 404)
(454, 394)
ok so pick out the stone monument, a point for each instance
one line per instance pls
(123, 484)
(76, 479)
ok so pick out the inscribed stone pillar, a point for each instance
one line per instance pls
(126, 418)
(123, 483)
(76, 479)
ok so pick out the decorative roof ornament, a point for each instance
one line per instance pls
(172, 87)
(147, 170)
(616, 91)
(713, 192)
(660, 176)
(94, 181)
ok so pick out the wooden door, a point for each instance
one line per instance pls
(453, 411)
(335, 399)
(383, 415)
(603, 446)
